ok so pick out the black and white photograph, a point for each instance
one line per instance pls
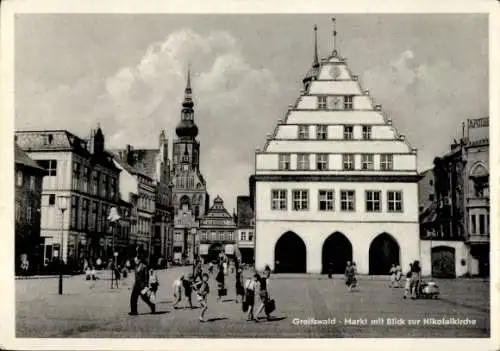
(197, 175)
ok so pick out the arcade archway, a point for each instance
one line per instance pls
(443, 262)
(384, 252)
(337, 250)
(213, 252)
(290, 254)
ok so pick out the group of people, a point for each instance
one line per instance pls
(413, 279)
(257, 286)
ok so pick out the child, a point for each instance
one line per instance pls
(407, 284)
(178, 291)
(153, 285)
(202, 293)
(188, 290)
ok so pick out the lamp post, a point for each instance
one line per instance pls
(113, 218)
(62, 203)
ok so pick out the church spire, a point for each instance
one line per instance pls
(334, 25)
(188, 84)
(315, 61)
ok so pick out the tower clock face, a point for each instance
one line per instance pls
(335, 72)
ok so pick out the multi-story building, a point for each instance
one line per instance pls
(217, 232)
(138, 189)
(455, 227)
(335, 182)
(245, 229)
(83, 170)
(28, 196)
(156, 165)
(189, 195)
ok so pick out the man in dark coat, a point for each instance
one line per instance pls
(141, 282)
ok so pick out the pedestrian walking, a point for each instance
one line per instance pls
(264, 298)
(187, 284)
(399, 275)
(249, 299)
(177, 291)
(240, 290)
(140, 287)
(211, 267)
(154, 283)
(330, 270)
(415, 279)
(408, 283)
(219, 278)
(349, 276)
(267, 276)
(202, 291)
(354, 282)
(392, 272)
(224, 267)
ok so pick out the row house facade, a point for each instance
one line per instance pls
(28, 196)
(335, 181)
(455, 221)
(217, 233)
(155, 165)
(245, 229)
(84, 171)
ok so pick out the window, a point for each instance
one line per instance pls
(19, 178)
(303, 132)
(113, 188)
(76, 175)
(326, 200)
(348, 161)
(431, 182)
(386, 162)
(431, 197)
(74, 211)
(32, 182)
(18, 211)
(230, 236)
(284, 161)
(28, 214)
(178, 237)
(347, 203)
(322, 162)
(373, 201)
(367, 161)
(105, 185)
(322, 102)
(278, 200)
(367, 132)
(50, 166)
(300, 200)
(395, 201)
(243, 236)
(213, 236)
(204, 236)
(348, 102)
(93, 216)
(222, 236)
(85, 214)
(482, 224)
(303, 162)
(52, 199)
(321, 132)
(348, 132)
(95, 182)
(250, 236)
(86, 178)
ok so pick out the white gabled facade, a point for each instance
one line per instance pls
(335, 182)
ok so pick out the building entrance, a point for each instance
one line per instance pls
(384, 252)
(290, 254)
(337, 250)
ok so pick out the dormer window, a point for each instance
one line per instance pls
(348, 102)
(322, 102)
(303, 132)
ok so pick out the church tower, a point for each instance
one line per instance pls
(189, 194)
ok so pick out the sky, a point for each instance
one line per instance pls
(127, 72)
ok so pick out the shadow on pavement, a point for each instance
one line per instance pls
(216, 319)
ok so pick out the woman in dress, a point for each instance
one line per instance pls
(415, 279)
(240, 291)
(392, 272)
(219, 278)
(349, 275)
(264, 298)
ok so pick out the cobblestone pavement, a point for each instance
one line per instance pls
(94, 310)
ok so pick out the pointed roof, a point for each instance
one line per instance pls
(22, 158)
(314, 70)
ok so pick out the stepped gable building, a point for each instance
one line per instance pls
(335, 182)
(85, 171)
(28, 196)
(155, 165)
(217, 230)
(190, 200)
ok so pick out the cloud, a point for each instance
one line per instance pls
(234, 104)
(411, 91)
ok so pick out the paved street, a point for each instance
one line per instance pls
(86, 312)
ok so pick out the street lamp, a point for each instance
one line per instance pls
(62, 203)
(113, 217)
